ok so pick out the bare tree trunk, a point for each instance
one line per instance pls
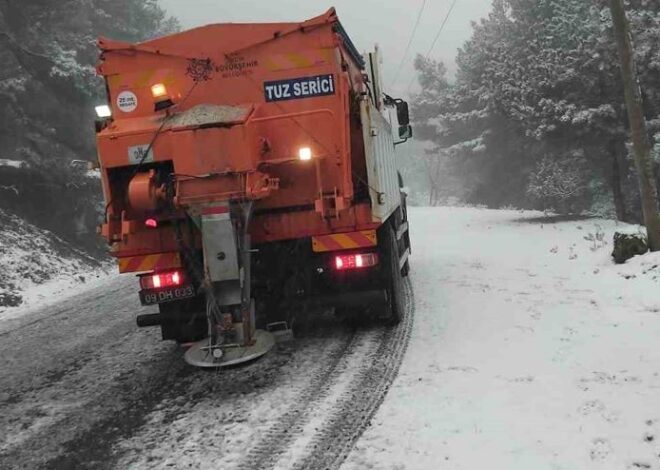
(430, 164)
(616, 150)
(641, 145)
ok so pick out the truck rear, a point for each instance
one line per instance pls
(249, 171)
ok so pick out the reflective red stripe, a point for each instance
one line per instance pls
(360, 239)
(215, 210)
(344, 241)
(155, 262)
(134, 264)
(330, 243)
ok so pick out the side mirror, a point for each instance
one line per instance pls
(402, 113)
(405, 132)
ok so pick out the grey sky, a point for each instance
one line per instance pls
(386, 22)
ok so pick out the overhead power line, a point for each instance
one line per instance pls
(442, 27)
(435, 40)
(410, 41)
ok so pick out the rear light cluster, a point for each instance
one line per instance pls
(161, 280)
(355, 261)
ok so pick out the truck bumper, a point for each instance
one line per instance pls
(351, 299)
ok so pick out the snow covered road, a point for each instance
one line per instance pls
(529, 349)
(83, 388)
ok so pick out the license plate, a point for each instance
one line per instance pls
(153, 297)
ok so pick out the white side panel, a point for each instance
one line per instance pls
(381, 163)
(373, 62)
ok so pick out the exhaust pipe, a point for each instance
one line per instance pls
(149, 319)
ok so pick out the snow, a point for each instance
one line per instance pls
(37, 268)
(531, 350)
(212, 432)
(62, 287)
(11, 163)
(204, 114)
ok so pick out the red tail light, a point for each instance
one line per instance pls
(161, 280)
(355, 261)
(151, 223)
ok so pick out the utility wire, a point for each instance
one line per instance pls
(442, 27)
(412, 36)
(435, 40)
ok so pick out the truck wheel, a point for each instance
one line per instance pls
(394, 278)
(184, 321)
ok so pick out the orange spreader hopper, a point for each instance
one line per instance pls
(248, 98)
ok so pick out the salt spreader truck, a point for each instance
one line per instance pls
(249, 172)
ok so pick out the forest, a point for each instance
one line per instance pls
(535, 116)
(48, 89)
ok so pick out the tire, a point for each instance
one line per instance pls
(393, 276)
(184, 321)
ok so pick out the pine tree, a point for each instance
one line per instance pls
(537, 93)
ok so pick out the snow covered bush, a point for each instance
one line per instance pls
(558, 184)
(627, 245)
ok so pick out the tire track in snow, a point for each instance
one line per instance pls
(60, 339)
(117, 405)
(74, 436)
(277, 439)
(326, 440)
(332, 443)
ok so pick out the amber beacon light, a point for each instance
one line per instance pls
(305, 154)
(161, 97)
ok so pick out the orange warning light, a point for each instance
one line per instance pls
(158, 90)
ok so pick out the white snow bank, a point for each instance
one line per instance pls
(37, 267)
(531, 350)
(11, 163)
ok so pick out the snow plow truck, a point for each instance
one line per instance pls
(249, 171)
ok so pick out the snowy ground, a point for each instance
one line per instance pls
(11, 163)
(530, 350)
(37, 267)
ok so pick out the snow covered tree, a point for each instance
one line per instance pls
(48, 89)
(539, 80)
(640, 138)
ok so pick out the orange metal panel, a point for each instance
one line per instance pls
(306, 224)
(158, 262)
(298, 59)
(344, 241)
(254, 157)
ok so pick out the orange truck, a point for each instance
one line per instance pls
(249, 172)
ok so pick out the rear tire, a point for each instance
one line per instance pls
(184, 321)
(393, 275)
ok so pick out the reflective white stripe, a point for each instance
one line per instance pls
(404, 258)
